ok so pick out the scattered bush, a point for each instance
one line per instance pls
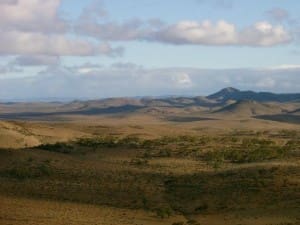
(193, 222)
(249, 150)
(57, 147)
(139, 162)
(178, 223)
(163, 212)
(202, 208)
(110, 142)
(25, 171)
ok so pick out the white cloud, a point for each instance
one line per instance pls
(284, 67)
(188, 32)
(86, 68)
(221, 33)
(34, 27)
(264, 34)
(266, 82)
(32, 15)
(113, 31)
(224, 33)
(182, 80)
(16, 42)
(203, 33)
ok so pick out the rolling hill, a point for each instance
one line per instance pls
(251, 108)
(226, 101)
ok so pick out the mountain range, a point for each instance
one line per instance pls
(226, 102)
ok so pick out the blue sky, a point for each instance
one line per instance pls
(241, 13)
(95, 48)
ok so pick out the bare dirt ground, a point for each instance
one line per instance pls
(19, 211)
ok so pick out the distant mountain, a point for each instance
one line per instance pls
(235, 94)
(225, 94)
(228, 101)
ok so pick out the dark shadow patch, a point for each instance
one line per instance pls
(188, 119)
(88, 112)
(294, 119)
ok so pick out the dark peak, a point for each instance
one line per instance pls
(230, 90)
(224, 93)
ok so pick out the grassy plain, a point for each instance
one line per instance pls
(137, 168)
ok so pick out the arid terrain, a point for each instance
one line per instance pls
(229, 158)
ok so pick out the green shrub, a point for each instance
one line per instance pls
(57, 147)
(110, 142)
(26, 171)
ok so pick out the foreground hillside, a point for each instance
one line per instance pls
(236, 177)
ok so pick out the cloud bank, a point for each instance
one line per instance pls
(186, 32)
(96, 81)
(34, 27)
(189, 32)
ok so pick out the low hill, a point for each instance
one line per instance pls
(250, 108)
(13, 135)
(231, 100)
(17, 134)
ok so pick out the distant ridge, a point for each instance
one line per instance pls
(235, 94)
(228, 101)
(225, 95)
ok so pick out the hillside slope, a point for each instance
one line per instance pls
(248, 108)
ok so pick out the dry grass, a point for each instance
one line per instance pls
(146, 169)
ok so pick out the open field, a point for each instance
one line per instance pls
(233, 176)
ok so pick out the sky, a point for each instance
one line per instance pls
(74, 49)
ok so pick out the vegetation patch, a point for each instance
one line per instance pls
(58, 147)
(28, 171)
(249, 150)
